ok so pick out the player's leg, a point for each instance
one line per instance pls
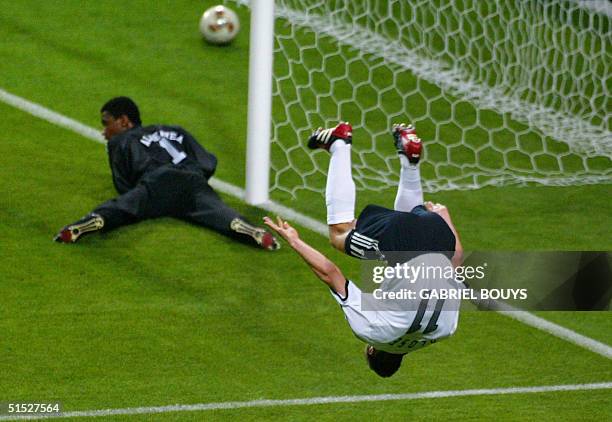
(340, 194)
(210, 211)
(165, 191)
(128, 208)
(340, 187)
(409, 148)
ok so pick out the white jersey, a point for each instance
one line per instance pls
(404, 326)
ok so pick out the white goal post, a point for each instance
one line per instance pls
(502, 93)
(260, 101)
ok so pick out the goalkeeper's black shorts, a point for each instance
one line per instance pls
(173, 191)
(380, 232)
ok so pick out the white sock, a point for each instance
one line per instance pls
(340, 188)
(409, 191)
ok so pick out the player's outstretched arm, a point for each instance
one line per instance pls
(325, 269)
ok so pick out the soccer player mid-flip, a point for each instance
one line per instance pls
(411, 226)
(160, 171)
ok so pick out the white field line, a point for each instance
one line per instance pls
(317, 401)
(560, 332)
(303, 220)
(550, 327)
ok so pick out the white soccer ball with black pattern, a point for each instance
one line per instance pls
(219, 25)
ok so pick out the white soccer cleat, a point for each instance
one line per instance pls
(261, 236)
(72, 232)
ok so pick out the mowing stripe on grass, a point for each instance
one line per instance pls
(317, 400)
(305, 221)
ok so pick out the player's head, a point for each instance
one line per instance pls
(118, 115)
(383, 363)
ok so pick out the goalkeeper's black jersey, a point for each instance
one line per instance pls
(140, 150)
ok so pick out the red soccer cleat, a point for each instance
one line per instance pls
(324, 138)
(407, 142)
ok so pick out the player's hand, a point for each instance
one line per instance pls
(282, 228)
(439, 209)
(442, 211)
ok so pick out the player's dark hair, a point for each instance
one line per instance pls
(120, 106)
(383, 363)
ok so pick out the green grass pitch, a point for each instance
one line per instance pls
(164, 312)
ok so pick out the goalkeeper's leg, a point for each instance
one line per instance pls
(164, 191)
(340, 187)
(210, 211)
(409, 149)
(128, 208)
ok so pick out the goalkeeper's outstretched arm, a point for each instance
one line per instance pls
(325, 269)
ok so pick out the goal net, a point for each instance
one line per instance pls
(502, 93)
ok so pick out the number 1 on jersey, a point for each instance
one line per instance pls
(176, 155)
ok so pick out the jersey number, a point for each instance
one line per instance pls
(432, 325)
(176, 155)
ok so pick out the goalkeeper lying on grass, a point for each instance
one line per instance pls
(159, 171)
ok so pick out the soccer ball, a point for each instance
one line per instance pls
(219, 25)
